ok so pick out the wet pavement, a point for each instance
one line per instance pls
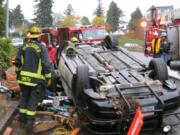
(7, 110)
(9, 117)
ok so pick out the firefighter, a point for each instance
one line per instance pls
(156, 44)
(34, 69)
(74, 40)
(165, 47)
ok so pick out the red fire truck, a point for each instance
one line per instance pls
(92, 34)
(161, 19)
(86, 34)
(155, 24)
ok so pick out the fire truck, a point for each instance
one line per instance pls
(173, 34)
(85, 34)
(163, 19)
(156, 20)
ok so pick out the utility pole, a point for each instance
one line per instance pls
(7, 18)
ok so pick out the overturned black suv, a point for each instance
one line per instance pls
(107, 84)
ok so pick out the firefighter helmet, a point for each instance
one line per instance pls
(35, 32)
(74, 39)
(163, 34)
(155, 33)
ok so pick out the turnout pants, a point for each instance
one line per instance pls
(30, 97)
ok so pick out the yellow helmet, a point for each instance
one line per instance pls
(74, 39)
(35, 32)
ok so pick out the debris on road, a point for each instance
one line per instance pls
(3, 89)
(42, 126)
(8, 131)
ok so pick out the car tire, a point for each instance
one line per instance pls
(159, 69)
(82, 81)
(111, 42)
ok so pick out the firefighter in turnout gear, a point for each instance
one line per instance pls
(156, 45)
(34, 69)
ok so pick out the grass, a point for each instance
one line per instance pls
(125, 39)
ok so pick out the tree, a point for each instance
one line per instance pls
(69, 21)
(136, 15)
(113, 16)
(98, 20)
(85, 21)
(43, 13)
(16, 17)
(57, 19)
(99, 10)
(2, 18)
(69, 10)
(135, 28)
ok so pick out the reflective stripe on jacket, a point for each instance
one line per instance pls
(156, 44)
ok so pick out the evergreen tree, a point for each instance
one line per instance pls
(136, 15)
(43, 13)
(2, 18)
(85, 21)
(57, 19)
(113, 16)
(16, 18)
(99, 10)
(69, 10)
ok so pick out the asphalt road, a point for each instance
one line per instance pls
(173, 120)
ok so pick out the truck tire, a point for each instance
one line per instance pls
(159, 69)
(82, 82)
(111, 42)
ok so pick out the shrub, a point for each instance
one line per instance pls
(6, 52)
(128, 39)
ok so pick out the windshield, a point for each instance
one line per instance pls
(93, 34)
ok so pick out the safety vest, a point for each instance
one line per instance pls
(156, 44)
(31, 71)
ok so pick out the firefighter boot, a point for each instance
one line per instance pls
(22, 120)
(29, 125)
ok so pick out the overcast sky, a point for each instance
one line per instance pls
(87, 7)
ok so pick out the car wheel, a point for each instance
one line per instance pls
(159, 69)
(82, 81)
(111, 42)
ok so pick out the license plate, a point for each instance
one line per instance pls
(148, 110)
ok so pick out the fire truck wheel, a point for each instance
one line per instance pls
(111, 42)
(82, 81)
(159, 69)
